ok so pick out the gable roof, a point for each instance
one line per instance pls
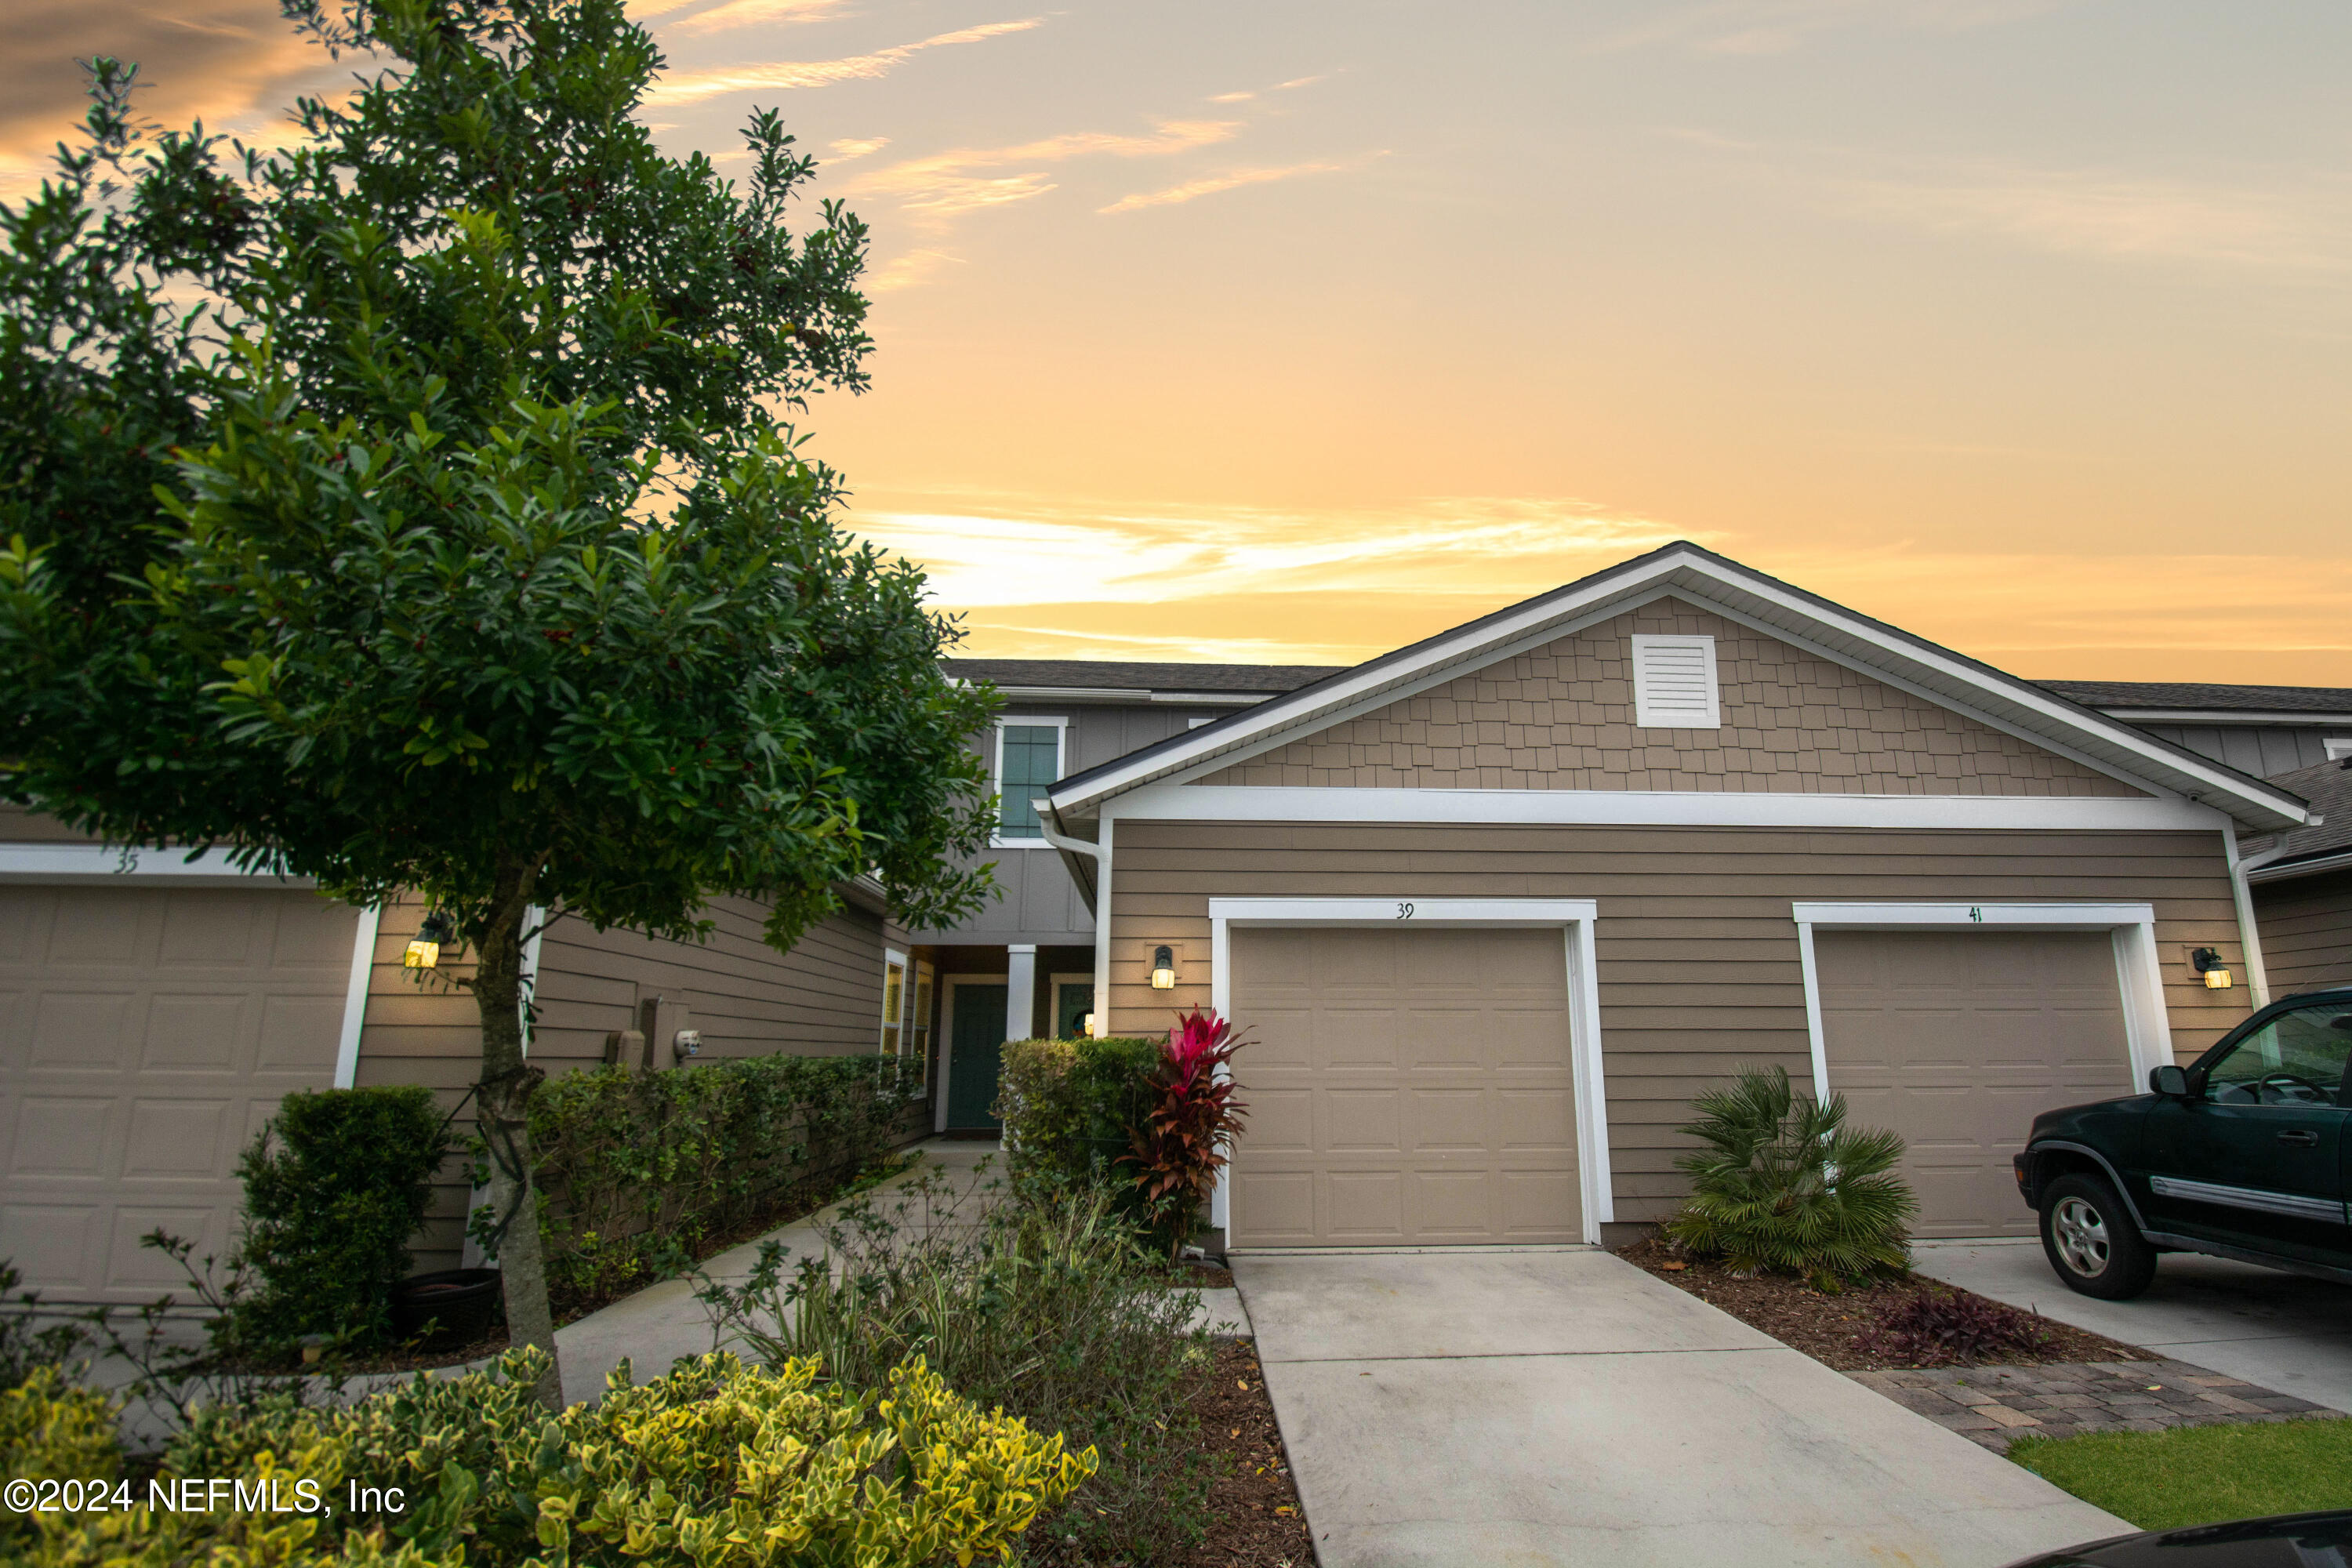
(1713, 581)
(1094, 675)
(2198, 696)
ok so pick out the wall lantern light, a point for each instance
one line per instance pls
(439, 931)
(1163, 969)
(2208, 962)
(1086, 1026)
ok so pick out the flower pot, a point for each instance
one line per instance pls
(458, 1303)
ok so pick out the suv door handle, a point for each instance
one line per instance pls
(2299, 1135)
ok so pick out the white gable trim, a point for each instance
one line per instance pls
(1688, 571)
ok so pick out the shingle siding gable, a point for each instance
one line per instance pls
(1561, 717)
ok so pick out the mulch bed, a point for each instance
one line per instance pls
(1255, 1520)
(1198, 1276)
(1833, 1330)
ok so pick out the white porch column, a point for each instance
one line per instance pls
(1020, 989)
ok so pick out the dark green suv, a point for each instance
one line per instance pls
(2244, 1153)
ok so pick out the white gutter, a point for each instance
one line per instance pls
(2249, 931)
(2266, 868)
(2226, 717)
(1101, 902)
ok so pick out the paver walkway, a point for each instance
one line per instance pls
(1561, 1407)
(1993, 1405)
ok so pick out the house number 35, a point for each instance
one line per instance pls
(1404, 911)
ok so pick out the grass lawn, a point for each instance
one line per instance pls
(2201, 1475)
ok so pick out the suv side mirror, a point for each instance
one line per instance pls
(2170, 1080)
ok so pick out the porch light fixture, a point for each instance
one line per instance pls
(439, 929)
(1086, 1026)
(2208, 962)
(1163, 969)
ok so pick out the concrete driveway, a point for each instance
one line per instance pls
(2281, 1330)
(1562, 1407)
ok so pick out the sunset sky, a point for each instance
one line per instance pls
(1293, 332)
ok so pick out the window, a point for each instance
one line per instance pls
(2296, 1058)
(918, 1019)
(2338, 747)
(1673, 683)
(893, 1001)
(1028, 758)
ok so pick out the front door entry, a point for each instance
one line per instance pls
(976, 1044)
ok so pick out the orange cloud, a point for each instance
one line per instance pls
(693, 87)
(1209, 186)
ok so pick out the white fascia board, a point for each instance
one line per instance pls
(1099, 696)
(54, 863)
(1170, 802)
(2014, 706)
(2287, 870)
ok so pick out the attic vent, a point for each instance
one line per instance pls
(1673, 683)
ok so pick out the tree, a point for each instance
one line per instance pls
(409, 510)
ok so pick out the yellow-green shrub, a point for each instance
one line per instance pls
(50, 1430)
(718, 1465)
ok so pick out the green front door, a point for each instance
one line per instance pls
(976, 1054)
(1069, 1019)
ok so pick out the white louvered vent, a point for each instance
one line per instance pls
(1673, 683)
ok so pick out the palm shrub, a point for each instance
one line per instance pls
(1783, 1185)
(335, 1185)
(1183, 1142)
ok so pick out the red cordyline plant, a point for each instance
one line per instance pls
(1183, 1142)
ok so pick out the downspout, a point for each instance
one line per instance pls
(2249, 934)
(1049, 822)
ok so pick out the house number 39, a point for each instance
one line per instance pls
(1404, 911)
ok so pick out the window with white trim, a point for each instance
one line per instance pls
(1673, 683)
(894, 1003)
(2338, 747)
(1028, 760)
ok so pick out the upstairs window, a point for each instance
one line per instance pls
(1028, 760)
(1673, 683)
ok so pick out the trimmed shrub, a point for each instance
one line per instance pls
(717, 1464)
(51, 1430)
(335, 1187)
(1070, 1107)
(1784, 1185)
(638, 1171)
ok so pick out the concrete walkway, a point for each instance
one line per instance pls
(1562, 1407)
(2281, 1330)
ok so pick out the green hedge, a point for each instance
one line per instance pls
(1070, 1107)
(637, 1169)
(335, 1185)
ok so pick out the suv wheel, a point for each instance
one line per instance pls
(2091, 1240)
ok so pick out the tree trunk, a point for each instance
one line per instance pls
(504, 1095)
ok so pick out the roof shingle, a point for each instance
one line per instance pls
(2177, 694)
(1108, 674)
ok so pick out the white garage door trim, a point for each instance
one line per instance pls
(1572, 917)
(2132, 926)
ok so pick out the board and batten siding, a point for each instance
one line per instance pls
(1695, 947)
(823, 998)
(2306, 925)
(1561, 717)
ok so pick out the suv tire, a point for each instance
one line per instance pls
(2091, 1240)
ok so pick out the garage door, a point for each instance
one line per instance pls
(1958, 1040)
(146, 1035)
(1407, 1087)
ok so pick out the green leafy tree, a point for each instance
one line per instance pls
(410, 510)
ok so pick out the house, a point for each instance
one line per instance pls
(1495, 905)
(153, 1012)
(1498, 905)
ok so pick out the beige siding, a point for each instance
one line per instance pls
(823, 998)
(2306, 932)
(19, 826)
(1561, 717)
(1698, 971)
